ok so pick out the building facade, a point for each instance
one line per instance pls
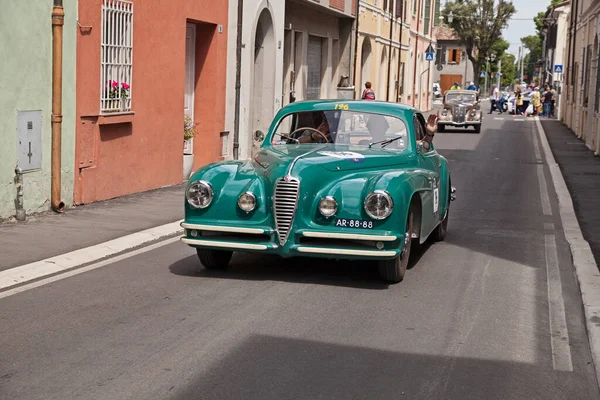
(554, 46)
(423, 16)
(451, 63)
(581, 94)
(254, 71)
(142, 68)
(318, 49)
(382, 48)
(26, 104)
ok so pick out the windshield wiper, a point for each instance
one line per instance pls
(385, 142)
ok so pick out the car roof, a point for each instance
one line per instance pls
(372, 106)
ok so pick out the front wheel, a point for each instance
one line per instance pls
(214, 259)
(393, 270)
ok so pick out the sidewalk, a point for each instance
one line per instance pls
(581, 170)
(51, 234)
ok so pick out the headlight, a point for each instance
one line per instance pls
(199, 194)
(247, 201)
(379, 204)
(328, 206)
(444, 112)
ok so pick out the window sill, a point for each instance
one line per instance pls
(125, 117)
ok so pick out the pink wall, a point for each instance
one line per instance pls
(133, 153)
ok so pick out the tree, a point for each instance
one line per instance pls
(509, 71)
(478, 25)
(534, 44)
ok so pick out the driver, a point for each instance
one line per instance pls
(310, 136)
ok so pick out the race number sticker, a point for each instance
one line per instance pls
(436, 199)
(344, 155)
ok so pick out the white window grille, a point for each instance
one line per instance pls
(116, 56)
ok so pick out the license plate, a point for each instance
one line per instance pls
(353, 223)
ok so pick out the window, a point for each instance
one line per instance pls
(414, 7)
(597, 101)
(116, 56)
(588, 73)
(341, 127)
(436, 13)
(427, 16)
(454, 55)
(385, 5)
(399, 8)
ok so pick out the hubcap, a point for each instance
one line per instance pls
(405, 247)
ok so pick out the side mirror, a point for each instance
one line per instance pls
(423, 147)
(259, 136)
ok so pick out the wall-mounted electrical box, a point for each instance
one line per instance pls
(29, 131)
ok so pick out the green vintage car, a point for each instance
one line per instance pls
(332, 179)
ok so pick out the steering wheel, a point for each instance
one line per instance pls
(311, 129)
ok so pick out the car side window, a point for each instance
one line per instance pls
(419, 128)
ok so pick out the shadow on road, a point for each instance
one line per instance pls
(260, 267)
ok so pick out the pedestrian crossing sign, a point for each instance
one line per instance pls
(429, 56)
(558, 68)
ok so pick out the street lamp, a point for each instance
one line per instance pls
(489, 58)
(450, 17)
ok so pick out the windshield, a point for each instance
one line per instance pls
(464, 97)
(341, 127)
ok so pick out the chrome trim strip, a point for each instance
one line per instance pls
(347, 252)
(289, 171)
(233, 229)
(350, 236)
(227, 245)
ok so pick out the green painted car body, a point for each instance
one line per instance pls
(412, 176)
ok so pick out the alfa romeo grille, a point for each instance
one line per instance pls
(285, 200)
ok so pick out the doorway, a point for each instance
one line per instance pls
(365, 63)
(263, 79)
(188, 98)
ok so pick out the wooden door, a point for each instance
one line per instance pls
(447, 80)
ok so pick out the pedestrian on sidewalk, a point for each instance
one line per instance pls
(547, 103)
(368, 93)
(536, 101)
(553, 101)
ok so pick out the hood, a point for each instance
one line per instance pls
(330, 157)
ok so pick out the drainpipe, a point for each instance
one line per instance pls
(400, 55)
(387, 95)
(58, 19)
(238, 80)
(416, 52)
(356, 45)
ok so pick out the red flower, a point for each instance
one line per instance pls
(114, 84)
(125, 86)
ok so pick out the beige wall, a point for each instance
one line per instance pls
(374, 57)
(579, 115)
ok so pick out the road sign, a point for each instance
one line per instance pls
(558, 68)
(429, 56)
(482, 74)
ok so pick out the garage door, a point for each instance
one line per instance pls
(314, 63)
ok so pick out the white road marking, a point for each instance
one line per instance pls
(499, 119)
(78, 271)
(64, 262)
(546, 208)
(549, 226)
(586, 269)
(559, 333)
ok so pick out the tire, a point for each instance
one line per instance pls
(393, 270)
(214, 259)
(441, 128)
(477, 128)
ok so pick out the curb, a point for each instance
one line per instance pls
(27, 273)
(586, 270)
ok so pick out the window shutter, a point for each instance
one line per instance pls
(449, 55)
(444, 53)
(399, 8)
(458, 55)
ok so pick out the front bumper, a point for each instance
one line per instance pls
(465, 123)
(308, 243)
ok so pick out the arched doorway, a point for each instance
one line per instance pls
(394, 80)
(365, 63)
(383, 75)
(262, 95)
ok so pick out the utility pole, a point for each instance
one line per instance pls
(499, 72)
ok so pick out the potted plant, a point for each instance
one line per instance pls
(189, 131)
(117, 94)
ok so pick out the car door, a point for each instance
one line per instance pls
(430, 163)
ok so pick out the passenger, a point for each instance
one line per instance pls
(310, 136)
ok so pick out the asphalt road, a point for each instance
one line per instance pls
(491, 313)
